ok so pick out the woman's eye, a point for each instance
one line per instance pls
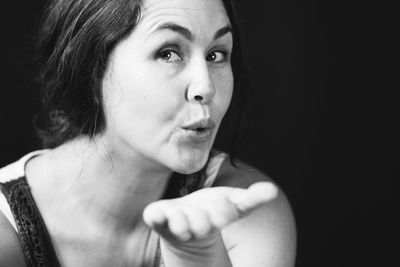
(169, 55)
(216, 56)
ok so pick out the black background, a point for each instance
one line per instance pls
(326, 81)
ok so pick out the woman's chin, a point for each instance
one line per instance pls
(191, 162)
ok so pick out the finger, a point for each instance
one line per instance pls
(178, 225)
(224, 213)
(256, 195)
(262, 192)
(154, 215)
(199, 222)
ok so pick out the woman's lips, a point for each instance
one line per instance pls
(199, 132)
(199, 135)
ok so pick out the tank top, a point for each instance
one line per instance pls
(19, 207)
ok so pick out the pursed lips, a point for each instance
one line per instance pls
(204, 123)
(199, 131)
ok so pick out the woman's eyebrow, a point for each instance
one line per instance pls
(221, 32)
(186, 33)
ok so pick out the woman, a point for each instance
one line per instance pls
(134, 94)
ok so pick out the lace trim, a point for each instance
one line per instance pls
(34, 238)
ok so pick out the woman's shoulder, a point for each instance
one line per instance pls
(242, 175)
(16, 169)
(236, 173)
(267, 234)
(11, 171)
(11, 254)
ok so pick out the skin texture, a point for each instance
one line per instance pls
(11, 253)
(205, 212)
(147, 114)
(160, 79)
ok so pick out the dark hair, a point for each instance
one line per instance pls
(74, 44)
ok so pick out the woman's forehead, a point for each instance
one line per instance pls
(184, 9)
(197, 15)
(199, 5)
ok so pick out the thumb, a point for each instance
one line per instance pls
(256, 195)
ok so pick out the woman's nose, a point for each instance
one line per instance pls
(201, 88)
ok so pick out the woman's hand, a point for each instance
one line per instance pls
(205, 212)
(193, 223)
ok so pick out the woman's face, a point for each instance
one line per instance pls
(169, 84)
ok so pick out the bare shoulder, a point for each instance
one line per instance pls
(267, 236)
(242, 175)
(11, 254)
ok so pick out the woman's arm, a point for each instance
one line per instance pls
(264, 238)
(206, 252)
(11, 254)
(267, 236)
(190, 226)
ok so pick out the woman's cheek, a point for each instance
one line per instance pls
(224, 90)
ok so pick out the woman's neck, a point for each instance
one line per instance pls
(96, 182)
